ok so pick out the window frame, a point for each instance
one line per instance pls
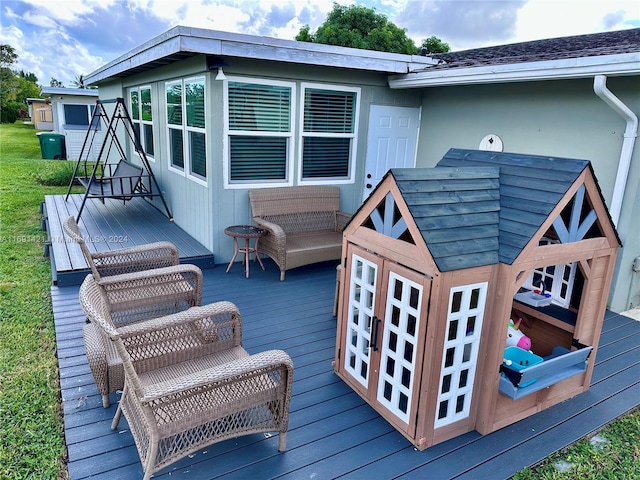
(227, 133)
(140, 121)
(352, 136)
(79, 126)
(557, 278)
(186, 130)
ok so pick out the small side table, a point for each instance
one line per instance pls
(247, 232)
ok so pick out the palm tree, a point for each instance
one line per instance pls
(79, 82)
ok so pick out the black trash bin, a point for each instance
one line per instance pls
(52, 145)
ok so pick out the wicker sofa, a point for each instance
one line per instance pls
(303, 223)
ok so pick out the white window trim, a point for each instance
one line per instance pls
(186, 170)
(558, 276)
(353, 136)
(151, 158)
(226, 133)
(458, 343)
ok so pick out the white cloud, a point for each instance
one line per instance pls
(560, 18)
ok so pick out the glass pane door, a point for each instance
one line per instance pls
(362, 290)
(399, 345)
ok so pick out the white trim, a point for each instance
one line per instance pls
(464, 347)
(585, 67)
(353, 136)
(141, 122)
(185, 171)
(226, 133)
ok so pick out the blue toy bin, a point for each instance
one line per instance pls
(521, 359)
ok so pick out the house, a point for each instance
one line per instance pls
(221, 113)
(40, 113)
(437, 261)
(72, 110)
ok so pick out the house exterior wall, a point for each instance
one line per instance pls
(204, 209)
(556, 118)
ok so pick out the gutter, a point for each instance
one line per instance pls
(630, 134)
(583, 67)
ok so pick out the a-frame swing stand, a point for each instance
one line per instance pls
(122, 180)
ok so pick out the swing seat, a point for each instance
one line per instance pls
(122, 184)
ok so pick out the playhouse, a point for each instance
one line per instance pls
(436, 264)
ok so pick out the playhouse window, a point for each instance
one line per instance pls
(259, 131)
(186, 124)
(329, 127)
(460, 353)
(558, 280)
(141, 115)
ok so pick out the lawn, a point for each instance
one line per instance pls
(32, 437)
(32, 442)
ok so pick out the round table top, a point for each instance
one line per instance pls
(244, 231)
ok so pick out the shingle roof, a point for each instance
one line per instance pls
(479, 208)
(578, 46)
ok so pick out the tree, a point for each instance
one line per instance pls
(434, 45)
(15, 87)
(54, 82)
(359, 27)
(8, 56)
(78, 82)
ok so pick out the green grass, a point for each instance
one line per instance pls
(31, 436)
(618, 458)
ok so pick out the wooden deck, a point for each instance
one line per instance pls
(332, 432)
(109, 226)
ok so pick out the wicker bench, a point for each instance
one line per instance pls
(304, 224)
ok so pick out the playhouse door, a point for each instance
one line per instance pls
(384, 338)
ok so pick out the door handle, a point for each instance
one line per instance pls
(376, 327)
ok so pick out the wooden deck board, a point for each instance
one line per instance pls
(333, 432)
(110, 226)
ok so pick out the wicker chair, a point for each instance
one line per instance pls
(188, 381)
(152, 268)
(124, 260)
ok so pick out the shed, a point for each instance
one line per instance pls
(40, 113)
(437, 261)
(72, 113)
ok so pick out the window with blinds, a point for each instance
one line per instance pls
(259, 127)
(186, 123)
(328, 132)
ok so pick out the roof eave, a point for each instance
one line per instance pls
(585, 67)
(186, 40)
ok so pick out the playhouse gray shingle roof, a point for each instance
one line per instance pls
(479, 208)
(577, 46)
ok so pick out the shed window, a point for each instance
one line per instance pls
(329, 127)
(259, 129)
(141, 115)
(79, 115)
(186, 122)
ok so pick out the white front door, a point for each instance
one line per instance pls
(391, 142)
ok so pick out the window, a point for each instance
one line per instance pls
(459, 358)
(76, 115)
(141, 115)
(186, 127)
(329, 129)
(259, 132)
(557, 280)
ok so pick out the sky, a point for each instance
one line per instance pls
(63, 39)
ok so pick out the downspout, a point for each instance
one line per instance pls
(630, 134)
